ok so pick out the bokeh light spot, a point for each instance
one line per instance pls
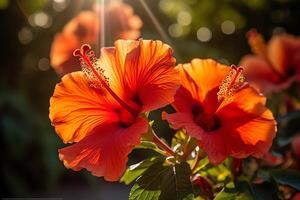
(40, 19)
(166, 5)
(4, 4)
(278, 30)
(25, 35)
(204, 34)
(44, 64)
(228, 27)
(59, 5)
(184, 18)
(175, 30)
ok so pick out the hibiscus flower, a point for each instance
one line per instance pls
(225, 114)
(101, 109)
(86, 27)
(275, 65)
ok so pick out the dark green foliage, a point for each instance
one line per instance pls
(163, 182)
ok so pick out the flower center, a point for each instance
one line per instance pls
(95, 74)
(209, 122)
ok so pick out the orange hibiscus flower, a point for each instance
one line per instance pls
(223, 112)
(100, 108)
(86, 28)
(275, 65)
(121, 21)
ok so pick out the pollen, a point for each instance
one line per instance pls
(257, 43)
(231, 84)
(91, 67)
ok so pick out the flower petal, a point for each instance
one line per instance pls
(250, 125)
(84, 28)
(202, 78)
(122, 22)
(284, 53)
(218, 153)
(61, 54)
(104, 152)
(76, 108)
(257, 69)
(144, 70)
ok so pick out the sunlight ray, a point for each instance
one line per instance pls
(158, 27)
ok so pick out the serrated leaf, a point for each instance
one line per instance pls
(163, 182)
(286, 177)
(134, 171)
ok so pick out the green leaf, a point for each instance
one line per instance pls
(219, 172)
(287, 177)
(230, 192)
(150, 145)
(136, 170)
(161, 182)
(180, 137)
(202, 164)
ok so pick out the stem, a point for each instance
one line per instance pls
(201, 154)
(198, 158)
(163, 145)
(189, 147)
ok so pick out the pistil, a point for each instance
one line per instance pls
(232, 83)
(87, 59)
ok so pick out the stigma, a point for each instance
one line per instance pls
(91, 67)
(231, 84)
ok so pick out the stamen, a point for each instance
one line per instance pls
(95, 74)
(233, 81)
(87, 59)
(257, 43)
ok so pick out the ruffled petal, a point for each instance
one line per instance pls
(202, 78)
(150, 74)
(144, 70)
(104, 152)
(76, 108)
(249, 126)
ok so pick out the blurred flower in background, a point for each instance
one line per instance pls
(87, 27)
(275, 65)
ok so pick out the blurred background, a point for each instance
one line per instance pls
(194, 28)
